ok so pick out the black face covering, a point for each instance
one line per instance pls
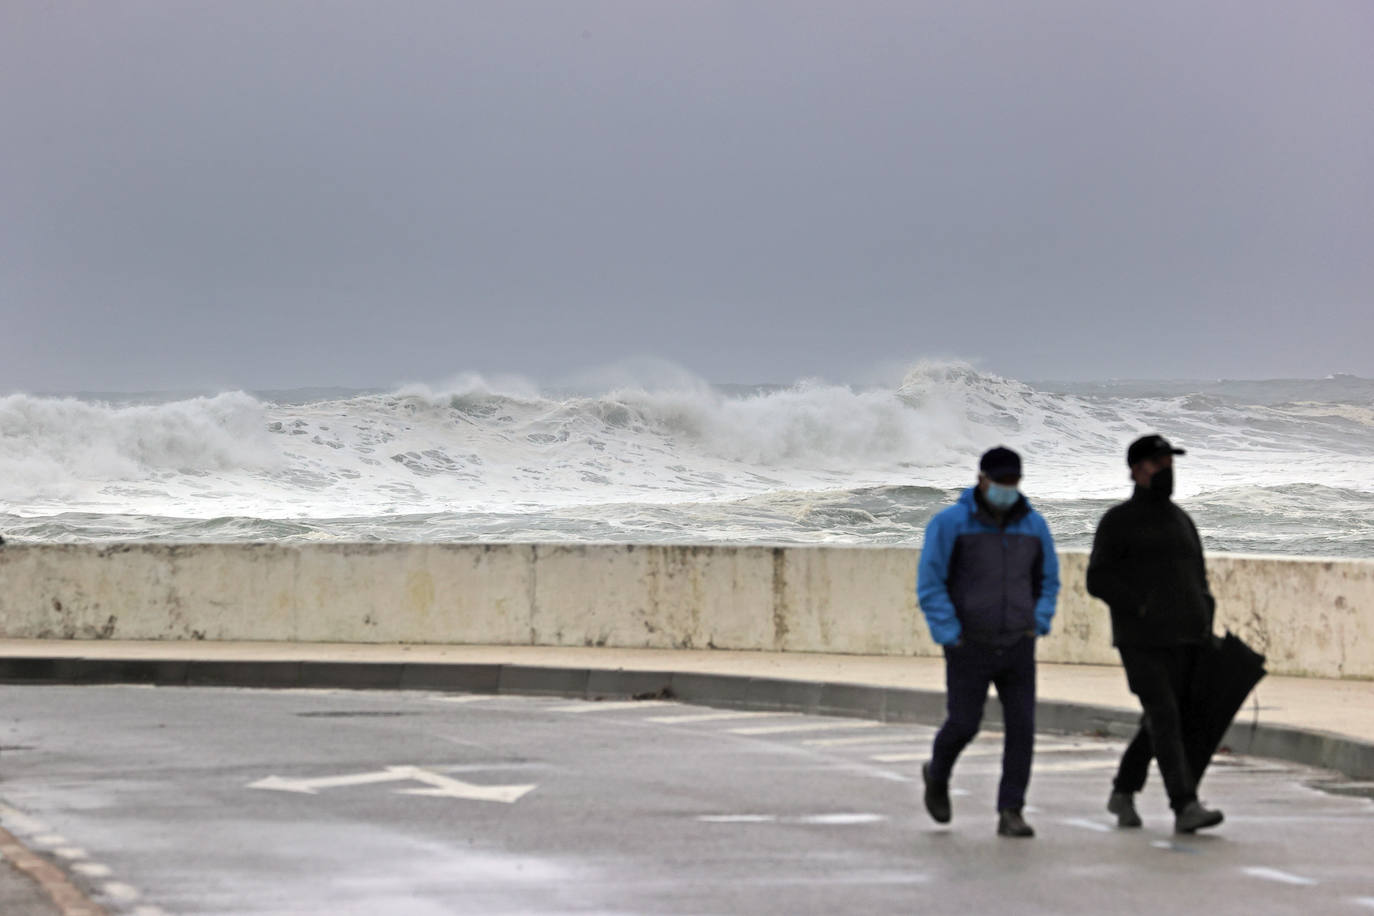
(1162, 482)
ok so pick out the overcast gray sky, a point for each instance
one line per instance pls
(264, 193)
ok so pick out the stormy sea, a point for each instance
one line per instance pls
(1279, 467)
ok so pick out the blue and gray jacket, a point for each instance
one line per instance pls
(986, 583)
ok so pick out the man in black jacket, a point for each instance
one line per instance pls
(1147, 565)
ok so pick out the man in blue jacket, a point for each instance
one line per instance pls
(987, 584)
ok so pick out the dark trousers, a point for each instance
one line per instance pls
(969, 669)
(1160, 678)
(1135, 762)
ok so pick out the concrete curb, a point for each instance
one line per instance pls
(1349, 756)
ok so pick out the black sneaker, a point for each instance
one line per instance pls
(937, 797)
(1192, 817)
(1010, 823)
(1122, 804)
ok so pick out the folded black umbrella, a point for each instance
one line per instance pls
(1225, 674)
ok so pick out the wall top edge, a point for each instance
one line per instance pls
(385, 546)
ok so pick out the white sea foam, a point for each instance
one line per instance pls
(670, 458)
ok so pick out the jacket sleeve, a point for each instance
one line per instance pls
(1047, 600)
(1106, 573)
(932, 578)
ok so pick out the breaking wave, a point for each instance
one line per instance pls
(1282, 466)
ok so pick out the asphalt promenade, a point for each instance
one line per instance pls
(1313, 721)
(1322, 723)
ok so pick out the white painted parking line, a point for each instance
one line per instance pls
(803, 727)
(708, 717)
(865, 739)
(1273, 874)
(1363, 901)
(840, 820)
(1066, 766)
(1086, 824)
(70, 852)
(1073, 766)
(996, 750)
(605, 707)
(149, 911)
(467, 698)
(20, 823)
(120, 891)
(50, 839)
(92, 869)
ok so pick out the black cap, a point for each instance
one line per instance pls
(1151, 446)
(1000, 462)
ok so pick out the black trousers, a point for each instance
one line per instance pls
(1160, 677)
(969, 669)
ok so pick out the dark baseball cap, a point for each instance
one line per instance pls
(1000, 462)
(1151, 446)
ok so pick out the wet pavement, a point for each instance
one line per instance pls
(217, 800)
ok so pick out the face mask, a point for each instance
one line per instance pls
(1162, 482)
(1001, 497)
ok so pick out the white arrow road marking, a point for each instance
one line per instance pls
(445, 787)
(312, 786)
(1273, 874)
(440, 786)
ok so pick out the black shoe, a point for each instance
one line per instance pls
(1122, 804)
(1192, 817)
(937, 797)
(1010, 823)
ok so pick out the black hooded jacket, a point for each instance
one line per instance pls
(1147, 565)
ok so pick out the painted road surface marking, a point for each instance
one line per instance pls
(1087, 824)
(70, 852)
(446, 787)
(1363, 901)
(439, 786)
(906, 757)
(840, 819)
(21, 822)
(824, 820)
(804, 727)
(1073, 766)
(121, 892)
(864, 739)
(92, 869)
(467, 698)
(707, 717)
(1173, 847)
(603, 707)
(1273, 874)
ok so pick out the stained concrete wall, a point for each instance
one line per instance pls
(1312, 617)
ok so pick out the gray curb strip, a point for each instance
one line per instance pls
(1349, 756)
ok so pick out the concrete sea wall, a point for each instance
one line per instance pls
(1312, 617)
